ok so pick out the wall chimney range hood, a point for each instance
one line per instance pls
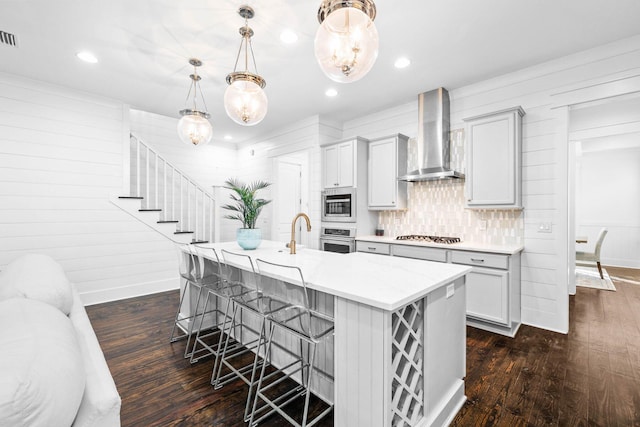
(434, 153)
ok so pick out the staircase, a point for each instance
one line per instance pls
(166, 199)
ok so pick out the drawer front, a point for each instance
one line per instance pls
(373, 247)
(480, 259)
(429, 254)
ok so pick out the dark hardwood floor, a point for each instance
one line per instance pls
(589, 377)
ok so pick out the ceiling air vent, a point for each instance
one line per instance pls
(8, 38)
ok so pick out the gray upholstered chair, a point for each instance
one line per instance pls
(583, 257)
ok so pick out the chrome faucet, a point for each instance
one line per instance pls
(292, 243)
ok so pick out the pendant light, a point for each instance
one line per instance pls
(346, 43)
(194, 127)
(244, 99)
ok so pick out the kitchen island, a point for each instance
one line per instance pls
(398, 353)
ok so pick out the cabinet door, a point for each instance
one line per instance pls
(345, 164)
(382, 173)
(488, 295)
(492, 161)
(330, 166)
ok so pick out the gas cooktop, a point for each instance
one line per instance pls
(430, 239)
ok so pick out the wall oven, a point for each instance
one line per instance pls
(338, 238)
(339, 204)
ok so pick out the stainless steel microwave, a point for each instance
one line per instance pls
(339, 204)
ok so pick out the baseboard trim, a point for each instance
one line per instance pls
(136, 290)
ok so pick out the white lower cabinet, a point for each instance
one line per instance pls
(488, 295)
(493, 286)
(493, 290)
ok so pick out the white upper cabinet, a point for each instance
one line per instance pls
(338, 164)
(494, 152)
(387, 161)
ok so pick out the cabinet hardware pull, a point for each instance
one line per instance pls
(477, 260)
(371, 249)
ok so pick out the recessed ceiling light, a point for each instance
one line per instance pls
(87, 57)
(331, 93)
(288, 37)
(228, 137)
(402, 62)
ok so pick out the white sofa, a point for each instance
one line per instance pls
(52, 369)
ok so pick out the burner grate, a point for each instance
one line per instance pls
(430, 239)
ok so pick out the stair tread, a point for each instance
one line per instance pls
(182, 232)
(174, 221)
(150, 210)
(131, 197)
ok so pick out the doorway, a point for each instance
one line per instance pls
(604, 179)
(291, 196)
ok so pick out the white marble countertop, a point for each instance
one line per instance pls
(463, 246)
(388, 283)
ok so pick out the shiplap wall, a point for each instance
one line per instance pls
(540, 90)
(61, 158)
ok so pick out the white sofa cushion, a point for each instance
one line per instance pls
(42, 374)
(101, 402)
(37, 276)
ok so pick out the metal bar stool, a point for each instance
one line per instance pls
(301, 321)
(197, 277)
(241, 273)
(220, 291)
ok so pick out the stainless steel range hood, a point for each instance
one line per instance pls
(434, 153)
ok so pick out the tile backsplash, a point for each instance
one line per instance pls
(437, 208)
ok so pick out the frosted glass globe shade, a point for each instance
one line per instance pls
(245, 102)
(193, 129)
(346, 45)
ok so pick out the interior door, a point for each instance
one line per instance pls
(288, 199)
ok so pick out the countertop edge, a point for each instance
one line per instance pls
(396, 305)
(419, 295)
(476, 247)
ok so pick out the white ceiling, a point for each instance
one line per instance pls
(144, 45)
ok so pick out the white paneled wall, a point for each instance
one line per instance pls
(541, 91)
(608, 196)
(61, 157)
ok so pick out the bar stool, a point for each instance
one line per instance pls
(241, 273)
(220, 291)
(197, 277)
(301, 321)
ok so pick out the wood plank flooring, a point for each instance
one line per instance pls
(589, 377)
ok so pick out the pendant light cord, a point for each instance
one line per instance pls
(195, 87)
(248, 45)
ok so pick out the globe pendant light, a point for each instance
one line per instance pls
(244, 99)
(194, 127)
(346, 43)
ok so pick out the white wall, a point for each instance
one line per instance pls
(61, 158)
(608, 196)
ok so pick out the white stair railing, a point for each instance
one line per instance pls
(166, 189)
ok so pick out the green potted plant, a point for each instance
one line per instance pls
(246, 209)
